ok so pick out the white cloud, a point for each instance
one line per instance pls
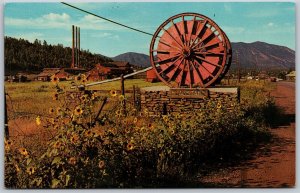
(105, 35)
(271, 24)
(57, 17)
(51, 20)
(62, 21)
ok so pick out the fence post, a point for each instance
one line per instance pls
(6, 130)
(134, 101)
(123, 93)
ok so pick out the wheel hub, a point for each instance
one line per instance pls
(186, 52)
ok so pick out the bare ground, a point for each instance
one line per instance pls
(273, 164)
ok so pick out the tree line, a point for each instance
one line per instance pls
(22, 55)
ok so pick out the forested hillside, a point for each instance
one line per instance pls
(21, 55)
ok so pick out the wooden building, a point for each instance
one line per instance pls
(109, 70)
(46, 74)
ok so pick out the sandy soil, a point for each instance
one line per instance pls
(273, 164)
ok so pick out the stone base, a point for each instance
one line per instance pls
(163, 100)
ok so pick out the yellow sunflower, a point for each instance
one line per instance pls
(219, 105)
(165, 118)
(127, 130)
(72, 160)
(78, 111)
(55, 96)
(135, 120)
(118, 113)
(51, 110)
(38, 120)
(84, 81)
(121, 97)
(78, 78)
(30, 170)
(8, 144)
(58, 111)
(84, 97)
(57, 145)
(17, 167)
(54, 79)
(23, 151)
(113, 93)
(130, 145)
(88, 133)
(74, 139)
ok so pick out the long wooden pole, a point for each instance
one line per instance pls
(73, 47)
(114, 79)
(123, 93)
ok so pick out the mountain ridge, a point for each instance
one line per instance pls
(259, 55)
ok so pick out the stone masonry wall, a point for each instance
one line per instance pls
(163, 100)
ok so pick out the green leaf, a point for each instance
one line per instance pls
(67, 179)
(28, 161)
(56, 160)
(54, 183)
(39, 181)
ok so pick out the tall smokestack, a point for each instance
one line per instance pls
(76, 46)
(78, 54)
(73, 54)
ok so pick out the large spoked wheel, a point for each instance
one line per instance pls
(190, 50)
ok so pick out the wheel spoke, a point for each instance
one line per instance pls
(174, 71)
(178, 32)
(210, 74)
(164, 51)
(211, 33)
(171, 46)
(170, 65)
(207, 61)
(181, 73)
(172, 37)
(198, 73)
(184, 31)
(206, 46)
(193, 26)
(167, 59)
(189, 73)
(205, 21)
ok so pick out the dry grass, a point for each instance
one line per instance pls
(25, 101)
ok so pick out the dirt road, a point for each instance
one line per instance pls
(273, 164)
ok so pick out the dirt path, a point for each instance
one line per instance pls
(273, 165)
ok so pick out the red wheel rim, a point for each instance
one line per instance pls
(190, 50)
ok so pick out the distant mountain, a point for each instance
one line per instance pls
(261, 55)
(137, 59)
(258, 55)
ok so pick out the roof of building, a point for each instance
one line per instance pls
(49, 71)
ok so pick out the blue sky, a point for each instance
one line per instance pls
(243, 22)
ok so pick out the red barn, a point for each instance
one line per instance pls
(151, 76)
(99, 72)
(109, 70)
